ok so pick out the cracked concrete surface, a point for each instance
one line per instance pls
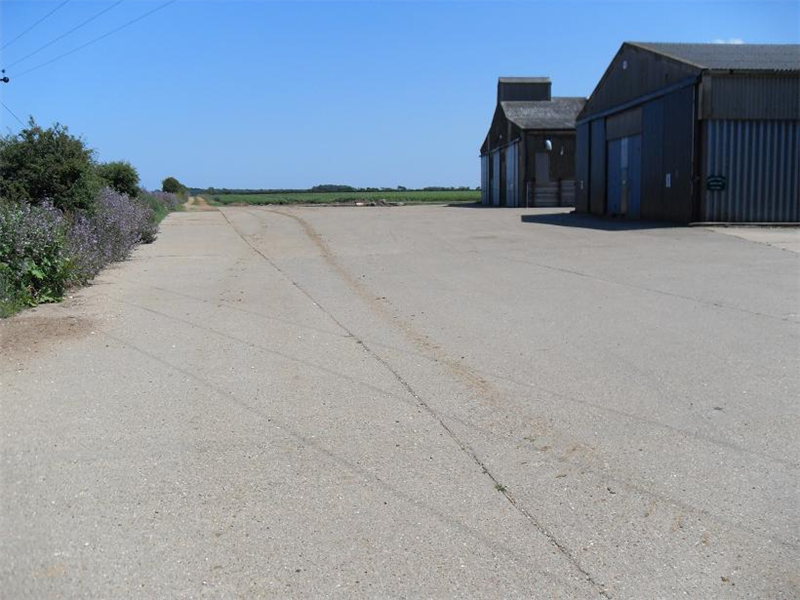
(786, 238)
(417, 401)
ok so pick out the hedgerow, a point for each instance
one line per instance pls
(63, 216)
(34, 265)
(44, 250)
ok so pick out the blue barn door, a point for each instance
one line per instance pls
(624, 181)
(614, 179)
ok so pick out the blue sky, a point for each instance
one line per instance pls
(292, 94)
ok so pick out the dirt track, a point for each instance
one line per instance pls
(198, 203)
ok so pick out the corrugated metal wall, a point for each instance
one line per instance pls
(597, 167)
(512, 166)
(494, 182)
(624, 124)
(678, 159)
(760, 161)
(523, 91)
(668, 162)
(751, 96)
(582, 168)
(653, 160)
(485, 198)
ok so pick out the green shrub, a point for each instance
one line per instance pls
(48, 165)
(160, 205)
(34, 265)
(12, 299)
(173, 186)
(121, 176)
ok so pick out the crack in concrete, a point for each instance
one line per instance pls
(463, 446)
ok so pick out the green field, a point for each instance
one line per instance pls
(410, 197)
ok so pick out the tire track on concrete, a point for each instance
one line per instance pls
(601, 472)
(287, 357)
(614, 412)
(480, 385)
(343, 462)
(612, 477)
(474, 381)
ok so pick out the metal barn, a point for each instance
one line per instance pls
(693, 132)
(528, 156)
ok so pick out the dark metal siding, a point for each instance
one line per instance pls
(678, 157)
(522, 154)
(633, 210)
(523, 91)
(761, 163)
(754, 140)
(614, 177)
(562, 156)
(667, 157)
(624, 193)
(502, 177)
(582, 169)
(652, 160)
(485, 197)
(624, 124)
(751, 96)
(494, 177)
(501, 131)
(597, 168)
(633, 73)
(511, 174)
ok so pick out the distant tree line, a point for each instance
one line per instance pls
(322, 188)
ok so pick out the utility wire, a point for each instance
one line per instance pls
(63, 35)
(97, 39)
(12, 114)
(7, 44)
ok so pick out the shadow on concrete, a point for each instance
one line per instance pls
(468, 205)
(584, 221)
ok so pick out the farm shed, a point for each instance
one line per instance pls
(693, 132)
(528, 156)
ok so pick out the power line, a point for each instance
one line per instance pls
(7, 44)
(63, 35)
(97, 39)
(12, 114)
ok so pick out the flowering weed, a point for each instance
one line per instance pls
(43, 251)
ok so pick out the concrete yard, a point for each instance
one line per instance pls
(425, 401)
(787, 238)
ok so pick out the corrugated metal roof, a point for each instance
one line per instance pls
(558, 113)
(741, 57)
